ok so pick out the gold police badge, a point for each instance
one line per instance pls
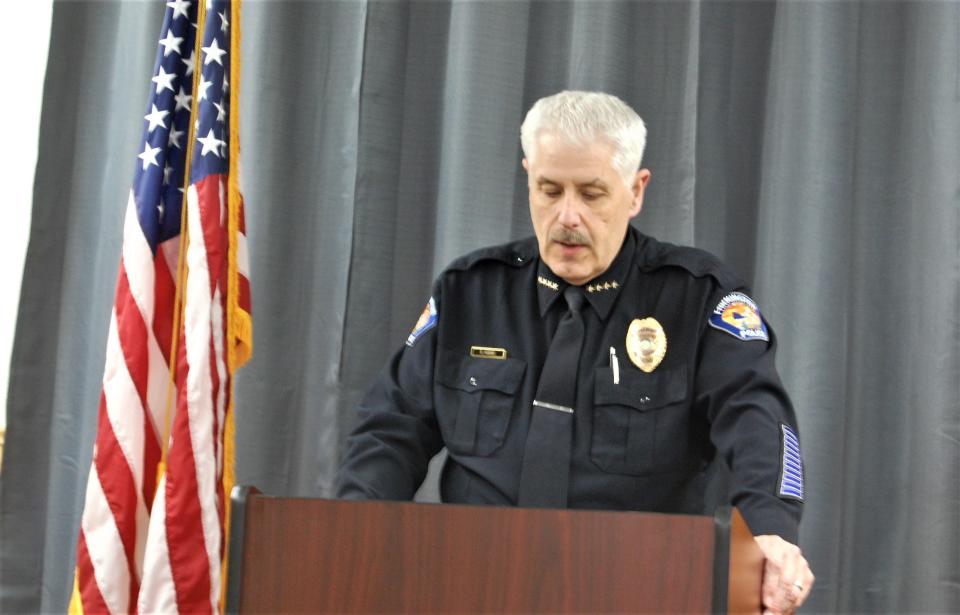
(646, 343)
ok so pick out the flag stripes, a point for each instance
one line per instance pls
(152, 532)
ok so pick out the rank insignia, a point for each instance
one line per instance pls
(790, 484)
(738, 315)
(427, 321)
(646, 343)
(548, 283)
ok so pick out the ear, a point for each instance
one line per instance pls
(526, 165)
(640, 181)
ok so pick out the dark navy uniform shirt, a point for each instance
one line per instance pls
(643, 442)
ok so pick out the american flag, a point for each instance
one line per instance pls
(152, 534)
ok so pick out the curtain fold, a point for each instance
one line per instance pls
(814, 146)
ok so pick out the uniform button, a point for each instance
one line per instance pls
(519, 259)
(473, 381)
(644, 399)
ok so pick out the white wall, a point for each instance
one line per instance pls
(25, 43)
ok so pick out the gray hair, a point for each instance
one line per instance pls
(586, 117)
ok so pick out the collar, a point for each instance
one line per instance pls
(601, 292)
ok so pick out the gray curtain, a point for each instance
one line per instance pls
(814, 146)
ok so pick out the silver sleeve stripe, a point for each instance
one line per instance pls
(790, 483)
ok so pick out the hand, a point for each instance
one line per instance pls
(787, 578)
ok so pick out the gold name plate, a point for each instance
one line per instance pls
(486, 352)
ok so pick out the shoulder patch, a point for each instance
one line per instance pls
(427, 321)
(738, 315)
(790, 483)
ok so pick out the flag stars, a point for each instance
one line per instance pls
(224, 24)
(167, 170)
(226, 84)
(221, 113)
(149, 156)
(211, 144)
(171, 43)
(213, 53)
(180, 8)
(202, 87)
(183, 100)
(155, 118)
(173, 140)
(191, 62)
(164, 80)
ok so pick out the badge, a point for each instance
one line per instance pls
(738, 315)
(487, 352)
(427, 321)
(646, 343)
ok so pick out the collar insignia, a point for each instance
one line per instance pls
(548, 283)
(602, 286)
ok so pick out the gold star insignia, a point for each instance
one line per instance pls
(549, 284)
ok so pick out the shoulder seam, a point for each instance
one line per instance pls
(514, 254)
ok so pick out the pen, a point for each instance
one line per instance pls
(615, 365)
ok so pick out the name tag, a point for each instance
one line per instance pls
(486, 352)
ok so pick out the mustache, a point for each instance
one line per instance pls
(571, 237)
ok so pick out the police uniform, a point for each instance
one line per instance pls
(642, 438)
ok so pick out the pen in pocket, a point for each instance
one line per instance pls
(614, 365)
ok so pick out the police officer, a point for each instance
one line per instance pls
(590, 366)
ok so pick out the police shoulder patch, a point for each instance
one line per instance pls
(427, 321)
(738, 315)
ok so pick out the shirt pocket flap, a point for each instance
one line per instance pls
(638, 390)
(471, 373)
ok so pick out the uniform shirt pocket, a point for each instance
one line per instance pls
(640, 425)
(474, 400)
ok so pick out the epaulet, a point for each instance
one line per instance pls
(699, 263)
(515, 254)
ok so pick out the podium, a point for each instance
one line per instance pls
(290, 555)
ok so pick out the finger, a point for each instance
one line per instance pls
(807, 582)
(799, 589)
(771, 584)
(789, 587)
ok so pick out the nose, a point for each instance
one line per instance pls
(569, 211)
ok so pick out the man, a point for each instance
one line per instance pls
(590, 366)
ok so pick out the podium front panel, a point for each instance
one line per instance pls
(325, 556)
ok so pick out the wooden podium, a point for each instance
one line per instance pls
(291, 555)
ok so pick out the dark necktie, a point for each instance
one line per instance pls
(545, 474)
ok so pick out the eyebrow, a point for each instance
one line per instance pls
(593, 183)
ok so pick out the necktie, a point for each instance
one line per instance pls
(545, 473)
